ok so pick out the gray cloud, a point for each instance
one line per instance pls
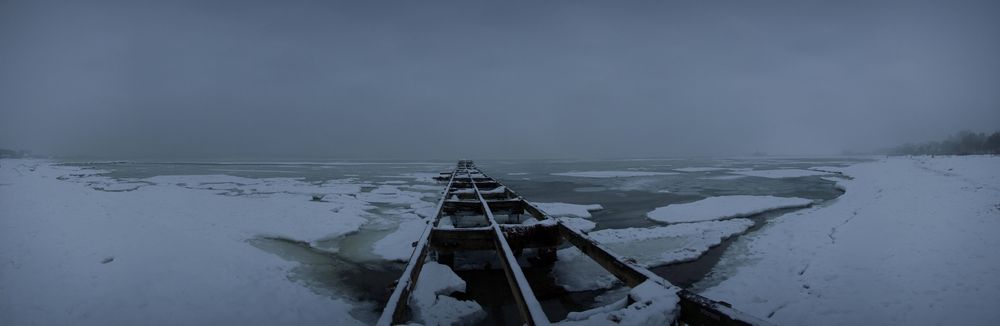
(417, 79)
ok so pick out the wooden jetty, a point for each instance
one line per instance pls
(467, 219)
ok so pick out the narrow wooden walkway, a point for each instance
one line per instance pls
(466, 220)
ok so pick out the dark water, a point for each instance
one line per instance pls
(626, 202)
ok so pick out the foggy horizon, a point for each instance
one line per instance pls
(519, 80)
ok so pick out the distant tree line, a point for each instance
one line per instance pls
(962, 143)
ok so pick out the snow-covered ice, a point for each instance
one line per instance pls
(654, 246)
(432, 304)
(565, 209)
(724, 177)
(574, 271)
(652, 304)
(611, 174)
(780, 173)
(701, 169)
(911, 242)
(669, 244)
(173, 251)
(398, 244)
(723, 207)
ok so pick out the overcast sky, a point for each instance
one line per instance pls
(492, 79)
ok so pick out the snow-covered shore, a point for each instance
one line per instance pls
(911, 242)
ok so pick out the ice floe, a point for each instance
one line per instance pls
(780, 173)
(432, 304)
(669, 244)
(574, 271)
(565, 209)
(701, 169)
(723, 207)
(612, 174)
(398, 244)
(651, 304)
(724, 177)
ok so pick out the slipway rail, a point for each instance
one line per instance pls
(471, 194)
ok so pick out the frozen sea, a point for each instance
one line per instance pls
(626, 199)
(350, 246)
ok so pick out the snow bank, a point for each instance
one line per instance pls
(780, 173)
(611, 174)
(564, 209)
(724, 207)
(431, 304)
(911, 242)
(669, 244)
